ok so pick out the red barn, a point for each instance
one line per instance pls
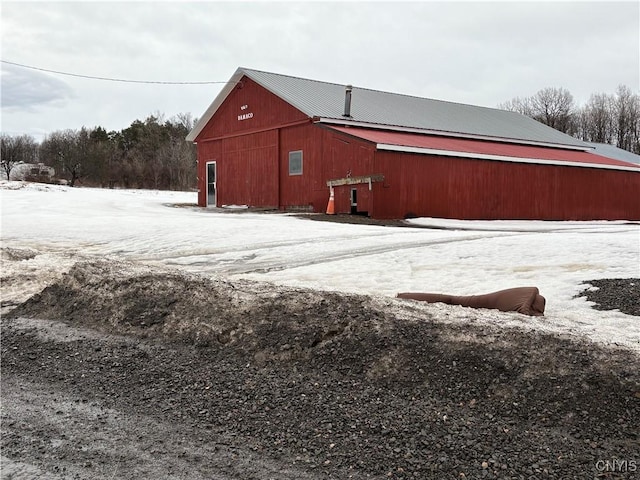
(283, 142)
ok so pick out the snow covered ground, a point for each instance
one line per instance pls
(63, 225)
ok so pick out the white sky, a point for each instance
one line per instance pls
(458, 257)
(479, 53)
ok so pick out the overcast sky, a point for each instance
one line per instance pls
(479, 53)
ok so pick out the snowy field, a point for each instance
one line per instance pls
(63, 225)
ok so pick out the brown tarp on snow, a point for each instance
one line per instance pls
(525, 300)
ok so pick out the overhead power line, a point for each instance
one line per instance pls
(91, 77)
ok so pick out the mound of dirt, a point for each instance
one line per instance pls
(17, 254)
(614, 294)
(119, 297)
(321, 384)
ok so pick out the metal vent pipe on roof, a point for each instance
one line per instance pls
(347, 101)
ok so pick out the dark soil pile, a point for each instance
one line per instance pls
(320, 384)
(614, 294)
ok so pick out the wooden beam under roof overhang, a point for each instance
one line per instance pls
(337, 182)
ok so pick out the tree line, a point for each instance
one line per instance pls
(605, 118)
(154, 154)
(149, 154)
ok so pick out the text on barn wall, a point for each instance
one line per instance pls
(245, 116)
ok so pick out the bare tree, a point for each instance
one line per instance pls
(182, 162)
(18, 149)
(626, 109)
(185, 120)
(596, 119)
(65, 149)
(518, 105)
(613, 119)
(554, 107)
(9, 154)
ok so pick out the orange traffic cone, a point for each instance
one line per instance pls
(331, 205)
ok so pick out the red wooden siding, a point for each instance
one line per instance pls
(266, 111)
(363, 198)
(252, 132)
(247, 169)
(300, 191)
(326, 155)
(345, 156)
(243, 138)
(435, 186)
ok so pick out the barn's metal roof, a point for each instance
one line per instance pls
(612, 151)
(471, 148)
(383, 109)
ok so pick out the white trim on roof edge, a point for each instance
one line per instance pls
(220, 98)
(501, 158)
(442, 133)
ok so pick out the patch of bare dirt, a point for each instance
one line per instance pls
(139, 372)
(356, 219)
(621, 294)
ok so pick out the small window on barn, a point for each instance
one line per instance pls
(295, 162)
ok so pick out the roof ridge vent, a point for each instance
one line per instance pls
(347, 101)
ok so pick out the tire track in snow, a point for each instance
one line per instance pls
(240, 267)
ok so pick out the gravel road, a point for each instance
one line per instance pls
(127, 372)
